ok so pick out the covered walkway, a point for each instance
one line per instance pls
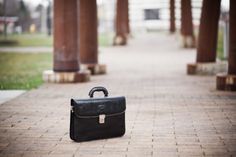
(168, 113)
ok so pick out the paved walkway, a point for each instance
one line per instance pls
(26, 49)
(168, 113)
(6, 95)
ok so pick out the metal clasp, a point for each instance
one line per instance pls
(102, 118)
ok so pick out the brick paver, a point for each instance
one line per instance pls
(168, 113)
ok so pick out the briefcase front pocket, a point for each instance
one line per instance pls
(97, 118)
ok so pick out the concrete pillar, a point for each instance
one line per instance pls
(66, 67)
(88, 37)
(232, 39)
(207, 41)
(187, 24)
(172, 16)
(121, 25)
(127, 16)
(228, 81)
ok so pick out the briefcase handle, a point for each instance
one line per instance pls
(98, 89)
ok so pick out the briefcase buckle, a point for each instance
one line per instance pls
(102, 118)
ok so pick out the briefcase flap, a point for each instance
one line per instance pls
(98, 106)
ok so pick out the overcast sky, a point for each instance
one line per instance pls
(225, 3)
(36, 2)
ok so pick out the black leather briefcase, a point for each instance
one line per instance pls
(97, 118)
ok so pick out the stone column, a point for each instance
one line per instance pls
(207, 41)
(172, 16)
(88, 37)
(228, 81)
(121, 20)
(187, 24)
(127, 16)
(66, 67)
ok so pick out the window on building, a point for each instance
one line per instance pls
(151, 14)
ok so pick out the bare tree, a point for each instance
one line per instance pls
(49, 19)
(24, 16)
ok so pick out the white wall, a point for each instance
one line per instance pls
(107, 10)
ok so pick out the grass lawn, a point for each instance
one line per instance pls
(30, 40)
(220, 45)
(24, 40)
(23, 70)
(105, 39)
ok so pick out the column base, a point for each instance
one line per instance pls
(119, 40)
(51, 76)
(188, 41)
(95, 69)
(226, 82)
(206, 68)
